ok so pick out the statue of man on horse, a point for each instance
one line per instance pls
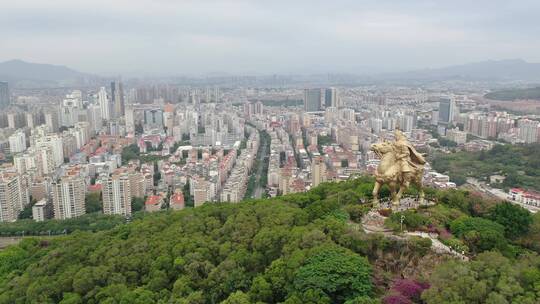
(401, 165)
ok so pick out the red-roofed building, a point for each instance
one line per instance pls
(153, 203)
(94, 188)
(177, 201)
(519, 195)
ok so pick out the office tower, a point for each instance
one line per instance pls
(30, 121)
(312, 100)
(153, 118)
(435, 117)
(68, 197)
(258, 108)
(95, 118)
(104, 104)
(130, 119)
(4, 95)
(318, 171)
(447, 108)
(51, 120)
(13, 197)
(116, 194)
(117, 97)
(331, 98)
(17, 142)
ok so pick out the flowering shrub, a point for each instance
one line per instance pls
(396, 299)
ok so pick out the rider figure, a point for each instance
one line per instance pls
(403, 154)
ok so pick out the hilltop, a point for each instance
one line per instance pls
(26, 74)
(299, 248)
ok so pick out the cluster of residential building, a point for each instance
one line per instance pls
(200, 144)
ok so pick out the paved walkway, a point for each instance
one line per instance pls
(373, 222)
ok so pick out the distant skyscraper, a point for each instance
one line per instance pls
(447, 109)
(312, 100)
(4, 95)
(330, 98)
(104, 104)
(117, 95)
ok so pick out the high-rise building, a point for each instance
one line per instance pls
(117, 94)
(318, 171)
(68, 197)
(51, 120)
(4, 95)
(331, 98)
(42, 210)
(312, 100)
(528, 130)
(13, 197)
(55, 142)
(447, 110)
(104, 105)
(153, 118)
(95, 118)
(116, 194)
(17, 142)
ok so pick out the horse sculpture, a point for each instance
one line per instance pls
(389, 172)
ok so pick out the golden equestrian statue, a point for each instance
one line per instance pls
(401, 165)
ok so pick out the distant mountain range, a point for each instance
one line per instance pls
(33, 75)
(512, 69)
(25, 74)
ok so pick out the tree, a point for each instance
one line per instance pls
(26, 213)
(338, 272)
(137, 204)
(93, 202)
(490, 278)
(479, 234)
(532, 238)
(237, 298)
(515, 219)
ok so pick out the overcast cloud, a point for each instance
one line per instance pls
(177, 37)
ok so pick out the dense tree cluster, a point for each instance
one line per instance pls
(294, 249)
(519, 163)
(490, 278)
(282, 250)
(88, 222)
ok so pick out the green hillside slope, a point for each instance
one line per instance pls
(300, 248)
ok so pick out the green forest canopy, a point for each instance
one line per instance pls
(519, 163)
(290, 249)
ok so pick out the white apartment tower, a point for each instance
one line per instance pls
(17, 142)
(104, 104)
(13, 197)
(318, 171)
(116, 194)
(68, 197)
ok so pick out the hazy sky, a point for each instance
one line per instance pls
(166, 37)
